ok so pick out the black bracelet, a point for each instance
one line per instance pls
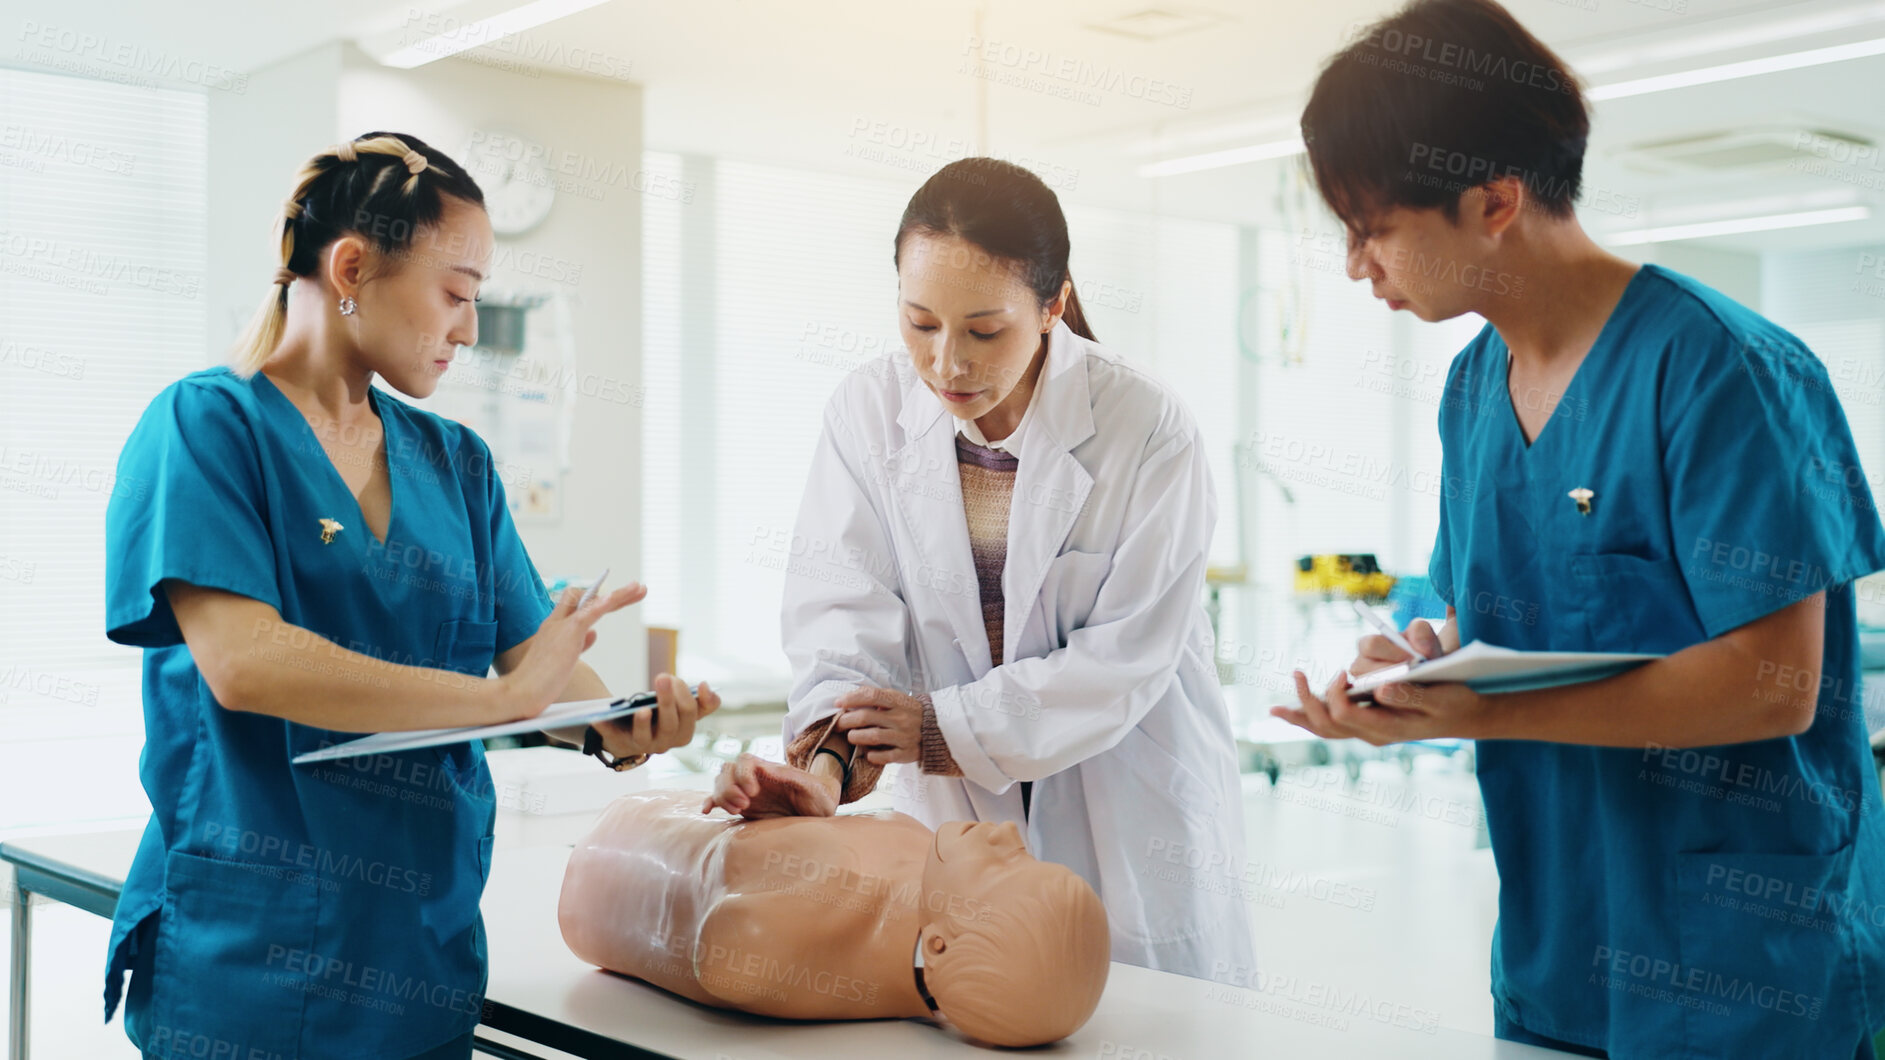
(844, 766)
(592, 745)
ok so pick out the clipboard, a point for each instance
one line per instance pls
(556, 716)
(1489, 668)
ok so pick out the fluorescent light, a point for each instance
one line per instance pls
(1259, 128)
(1640, 86)
(485, 31)
(1764, 33)
(1748, 68)
(1735, 226)
(1235, 156)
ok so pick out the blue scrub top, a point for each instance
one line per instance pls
(1722, 901)
(328, 910)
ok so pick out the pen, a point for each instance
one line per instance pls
(1387, 631)
(594, 588)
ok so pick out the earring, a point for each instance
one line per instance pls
(347, 306)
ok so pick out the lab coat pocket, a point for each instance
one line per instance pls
(1764, 968)
(1160, 773)
(1069, 591)
(1175, 852)
(1631, 603)
(234, 958)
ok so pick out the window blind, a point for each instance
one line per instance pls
(102, 237)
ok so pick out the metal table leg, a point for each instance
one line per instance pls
(21, 965)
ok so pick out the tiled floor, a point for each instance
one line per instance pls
(1374, 887)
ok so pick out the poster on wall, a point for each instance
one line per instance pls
(516, 388)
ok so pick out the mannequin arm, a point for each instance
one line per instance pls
(803, 753)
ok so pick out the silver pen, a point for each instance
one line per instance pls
(1381, 624)
(594, 588)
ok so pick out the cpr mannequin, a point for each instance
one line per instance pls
(820, 918)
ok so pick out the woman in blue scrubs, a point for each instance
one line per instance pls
(305, 557)
(1691, 854)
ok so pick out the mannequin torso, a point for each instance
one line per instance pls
(799, 917)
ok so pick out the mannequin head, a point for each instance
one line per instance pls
(1017, 950)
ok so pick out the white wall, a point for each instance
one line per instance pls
(257, 141)
(1733, 273)
(587, 252)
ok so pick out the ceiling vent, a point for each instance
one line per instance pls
(1741, 150)
(1158, 23)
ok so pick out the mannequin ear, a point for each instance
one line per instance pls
(932, 941)
(930, 946)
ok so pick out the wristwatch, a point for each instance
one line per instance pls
(592, 745)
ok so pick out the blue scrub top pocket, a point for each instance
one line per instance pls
(1764, 947)
(233, 937)
(465, 645)
(1628, 603)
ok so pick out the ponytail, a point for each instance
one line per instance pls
(353, 186)
(258, 340)
(1075, 316)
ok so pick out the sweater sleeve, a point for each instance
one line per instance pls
(864, 775)
(932, 749)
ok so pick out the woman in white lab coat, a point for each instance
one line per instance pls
(998, 584)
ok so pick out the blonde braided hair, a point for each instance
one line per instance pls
(318, 180)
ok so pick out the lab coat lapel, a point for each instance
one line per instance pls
(928, 490)
(1051, 486)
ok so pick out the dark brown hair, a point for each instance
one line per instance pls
(1006, 211)
(1440, 98)
(385, 187)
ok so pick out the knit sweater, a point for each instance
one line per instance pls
(987, 494)
(987, 477)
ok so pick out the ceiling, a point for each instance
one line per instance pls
(890, 89)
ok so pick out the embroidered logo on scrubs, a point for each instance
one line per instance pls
(330, 527)
(1582, 496)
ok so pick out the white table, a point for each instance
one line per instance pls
(541, 992)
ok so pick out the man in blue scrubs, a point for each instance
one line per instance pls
(1691, 854)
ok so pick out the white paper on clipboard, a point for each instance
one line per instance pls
(1489, 668)
(556, 716)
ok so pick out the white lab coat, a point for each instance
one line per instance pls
(1108, 699)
